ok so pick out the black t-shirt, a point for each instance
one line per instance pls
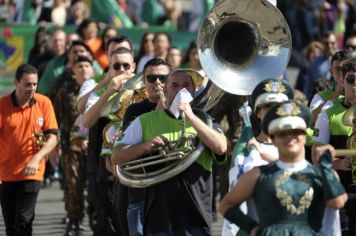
(184, 201)
(135, 110)
(127, 195)
(95, 143)
(181, 202)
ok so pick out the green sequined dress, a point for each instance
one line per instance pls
(289, 203)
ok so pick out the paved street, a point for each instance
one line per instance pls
(50, 213)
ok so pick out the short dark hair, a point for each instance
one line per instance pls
(24, 69)
(340, 56)
(156, 62)
(165, 34)
(348, 65)
(81, 43)
(85, 23)
(121, 50)
(119, 39)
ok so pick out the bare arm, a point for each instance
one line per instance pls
(210, 137)
(338, 202)
(84, 99)
(125, 153)
(263, 153)
(32, 166)
(314, 114)
(242, 191)
(93, 113)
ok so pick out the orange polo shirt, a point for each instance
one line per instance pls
(17, 145)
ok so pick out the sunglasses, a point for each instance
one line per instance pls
(293, 132)
(153, 78)
(349, 46)
(350, 79)
(117, 66)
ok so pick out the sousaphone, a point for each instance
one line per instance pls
(240, 43)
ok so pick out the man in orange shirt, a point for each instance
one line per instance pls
(28, 133)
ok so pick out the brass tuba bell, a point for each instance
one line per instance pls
(242, 42)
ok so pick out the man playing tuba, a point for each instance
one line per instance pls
(182, 204)
(129, 201)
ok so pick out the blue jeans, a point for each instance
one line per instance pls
(183, 232)
(135, 219)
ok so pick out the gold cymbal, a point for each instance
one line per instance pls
(135, 82)
(349, 117)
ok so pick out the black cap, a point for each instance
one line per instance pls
(271, 91)
(285, 116)
(81, 58)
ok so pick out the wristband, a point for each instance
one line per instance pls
(237, 217)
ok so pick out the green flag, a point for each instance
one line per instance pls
(109, 11)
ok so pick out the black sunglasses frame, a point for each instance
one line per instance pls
(293, 132)
(153, 78)
(117, 66)
(349, 46)
(350, 79)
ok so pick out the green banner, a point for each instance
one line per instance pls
(16, 42)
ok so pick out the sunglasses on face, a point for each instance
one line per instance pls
(350, 79)
(349, 46)
(293, 132)
(117, 66)
(153, 78)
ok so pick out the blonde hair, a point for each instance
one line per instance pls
(300, 97)
(311, 46)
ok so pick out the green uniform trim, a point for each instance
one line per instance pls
(339, 133)
(335, 114)
(325, 94)
(310, 133)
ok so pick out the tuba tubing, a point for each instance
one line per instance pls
(147, 179)
(345, 152)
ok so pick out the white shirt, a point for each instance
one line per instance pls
(322, 127)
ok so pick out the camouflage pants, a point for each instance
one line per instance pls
(74, 170)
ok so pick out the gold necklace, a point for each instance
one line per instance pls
(287, 201)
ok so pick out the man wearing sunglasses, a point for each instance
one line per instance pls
(181, 205)
(330, 129)
(325, 98)
(129, 201)
(350, 44)
(99, 108)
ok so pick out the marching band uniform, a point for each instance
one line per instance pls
(296, 190)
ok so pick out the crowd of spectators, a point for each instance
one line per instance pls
(319, 29)
(73, 12)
